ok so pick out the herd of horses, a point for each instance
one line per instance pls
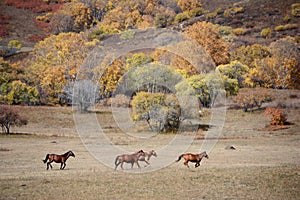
(128, 158)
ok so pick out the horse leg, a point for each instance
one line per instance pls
(132, 163)
(122, 165)
(147, 162)
(49, 164)
(137, 162)
(186, 163)
(197, 164)
(116, 165)
(64, 165)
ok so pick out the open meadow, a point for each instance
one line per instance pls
(264, 165)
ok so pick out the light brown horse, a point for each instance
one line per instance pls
(147, 156)
(129, 158)
(58, 159)
(195, 158)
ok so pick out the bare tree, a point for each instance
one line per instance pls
(85, 94)
(9, 116)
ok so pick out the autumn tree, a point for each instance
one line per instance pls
(55, 62)
(251, 98)
(154, 78)
(14, 88)
(73, 16)
(248, 54)
(161, 111)
(233, 73)
(280, 69)
(9, 116)
(204, 86)
(168, 58)
(207, 35)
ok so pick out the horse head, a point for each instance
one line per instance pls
(205, 154)
(71, 154)
(153, 153)
(141, 153)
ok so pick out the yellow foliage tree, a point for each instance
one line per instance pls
(56, 61)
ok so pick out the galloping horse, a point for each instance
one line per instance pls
(195, 158)
(147, 156)
(129, 158)
(58, 159)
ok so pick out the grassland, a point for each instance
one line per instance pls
(265, 164)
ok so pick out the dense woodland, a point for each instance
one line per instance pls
(247, 51)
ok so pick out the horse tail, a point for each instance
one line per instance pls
(47, 157)
(116, 162)
(179, 158)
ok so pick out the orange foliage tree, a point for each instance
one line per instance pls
(278, 116)
(206, 34)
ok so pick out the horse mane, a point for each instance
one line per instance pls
(65, 154)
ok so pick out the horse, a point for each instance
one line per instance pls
(195, 158)
(58, 159)
(129, 158)
(147, 156)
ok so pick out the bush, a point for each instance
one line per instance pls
(14, 44)
(230, 12)
(180, 17)
(286, 27)
(252, 98)
(239, 31)
(278, 116)
(266, 32)
(120, 100)
(296, 9)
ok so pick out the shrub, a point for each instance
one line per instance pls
(120, 100)
(252, 98)
(286, 27)
(14, 44)
(296, 9)
(230, 12)
(287, 18)
(290, 26)
(196, 12)
(266, 32)
(239, 31)
(180, 17)
(278, 116)
(211, 15)
(279, 28)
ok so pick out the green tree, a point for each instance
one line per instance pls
(160, 111)
(13, 86)
(234, 72)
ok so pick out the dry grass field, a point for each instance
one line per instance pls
(265, 164)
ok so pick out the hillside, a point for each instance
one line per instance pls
(257, 14)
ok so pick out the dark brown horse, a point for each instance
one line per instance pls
(129, 158)
(195, 158)
(147, 156)
(58, 159)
